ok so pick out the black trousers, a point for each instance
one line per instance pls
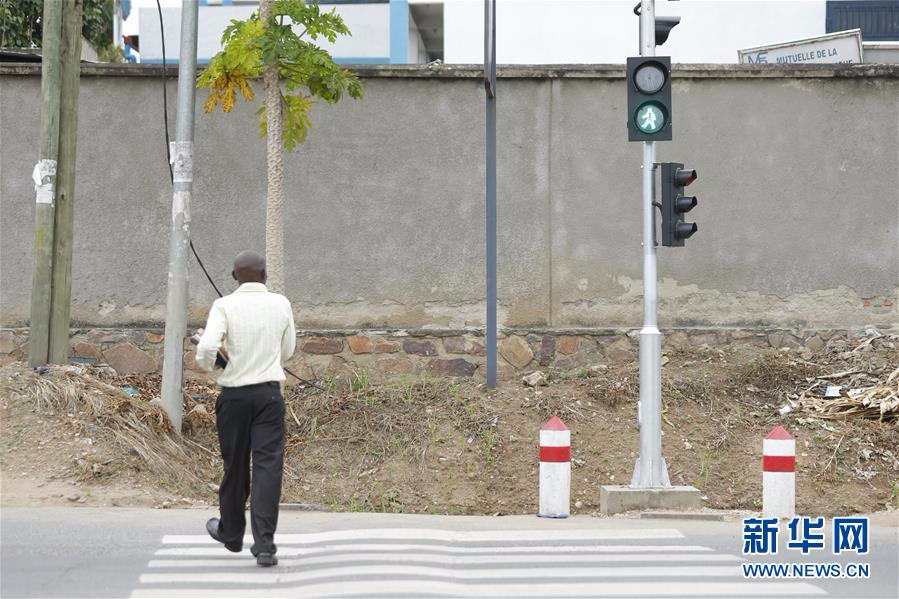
(250, 421)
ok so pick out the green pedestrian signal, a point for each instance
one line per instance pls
(649, 98)
(650, 118)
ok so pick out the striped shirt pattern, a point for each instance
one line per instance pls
(256, 329)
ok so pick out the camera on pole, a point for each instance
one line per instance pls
(675, 204)
(649, 98)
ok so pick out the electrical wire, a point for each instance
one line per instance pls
(165, 95)
(165, 116)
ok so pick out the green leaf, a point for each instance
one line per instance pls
(309, 72)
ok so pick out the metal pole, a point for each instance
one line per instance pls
(64, 224)
(179, 238)
(45, 186)
(490, 84)
(650, 469)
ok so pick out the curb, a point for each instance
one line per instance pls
(709, 516)
(303, 507)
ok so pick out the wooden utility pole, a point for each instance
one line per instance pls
(45, 186)
(64, 229)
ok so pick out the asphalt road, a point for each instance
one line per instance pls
(119, 552)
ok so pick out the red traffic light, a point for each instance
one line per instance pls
(684, 176)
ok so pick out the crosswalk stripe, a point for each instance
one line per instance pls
(409, 588)
(413, 563)
(356, 571)
(289, 550)
(448, 536)
(450, 560)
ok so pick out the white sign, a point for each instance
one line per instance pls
(843, 47)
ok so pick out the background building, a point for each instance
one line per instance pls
(711, 31)
(383, 31)
(541, 31)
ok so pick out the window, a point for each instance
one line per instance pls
(878, 19)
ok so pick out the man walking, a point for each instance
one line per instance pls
(253, 328)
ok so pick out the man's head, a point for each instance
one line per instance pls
(249, 267)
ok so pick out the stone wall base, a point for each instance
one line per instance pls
(440, 352)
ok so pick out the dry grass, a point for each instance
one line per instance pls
(773, 372)
(382, 420)
(137, 426)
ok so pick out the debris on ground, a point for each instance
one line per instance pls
(880, 402)
(97, 405)
(535, 379)
(422, 444)
(855, 392)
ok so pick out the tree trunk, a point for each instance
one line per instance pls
(274, 206)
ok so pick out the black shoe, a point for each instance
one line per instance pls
(212, 527)
(266, 560)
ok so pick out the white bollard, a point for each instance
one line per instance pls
(555, 469)
(778, 474)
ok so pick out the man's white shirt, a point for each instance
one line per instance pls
(256, 328)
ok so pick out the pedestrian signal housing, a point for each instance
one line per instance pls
(649, 98)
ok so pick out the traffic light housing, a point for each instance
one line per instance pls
(675, 204)
(649, 98)
(664, 25)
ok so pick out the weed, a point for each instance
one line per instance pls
(329, 384)
(360, 383)
(408, 392)
(705, 468)
(488, 441)
(455, 392)
(573, 375)
(353, 504)
(333, 504)
(389, 502)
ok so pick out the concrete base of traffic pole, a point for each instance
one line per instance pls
(614, 499)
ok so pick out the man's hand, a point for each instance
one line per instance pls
(195, 338)
(221, 357)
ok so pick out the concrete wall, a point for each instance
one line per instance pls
(385, 210)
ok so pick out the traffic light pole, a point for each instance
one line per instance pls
(490, 86)
(650, 469)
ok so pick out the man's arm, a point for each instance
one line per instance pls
(211, 341)
(289, 337)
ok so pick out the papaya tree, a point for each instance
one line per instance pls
(279, 43)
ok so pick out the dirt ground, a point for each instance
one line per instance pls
(71, 435)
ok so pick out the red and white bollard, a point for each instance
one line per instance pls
(778, 474)
(555, 469)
